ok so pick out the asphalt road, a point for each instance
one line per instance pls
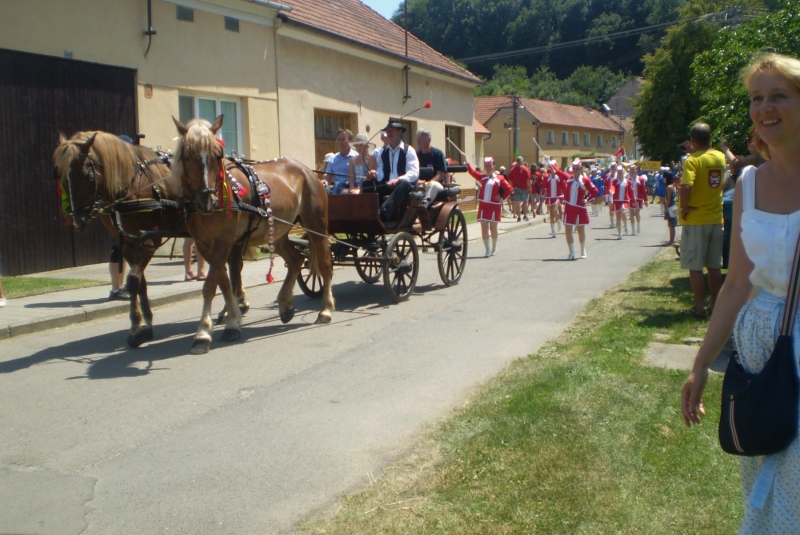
(259, 435)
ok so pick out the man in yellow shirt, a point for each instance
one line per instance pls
(701, 216)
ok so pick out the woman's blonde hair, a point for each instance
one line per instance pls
(786, 66)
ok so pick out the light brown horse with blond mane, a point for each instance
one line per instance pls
(105, 176)
(296, 194)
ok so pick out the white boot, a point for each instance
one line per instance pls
(488, 251)
(494, 246)
(552, 230)
(633, 228)
(571, 251)
(559, 225)
(583, 249)
(639, 227)
(625, 222)
(619, 230)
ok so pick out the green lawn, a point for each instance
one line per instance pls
(23, 286)
(578, 438)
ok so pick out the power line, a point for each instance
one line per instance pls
(725, 18)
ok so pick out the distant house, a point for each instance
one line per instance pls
(286, 75)
(561, 130)
(622, 111)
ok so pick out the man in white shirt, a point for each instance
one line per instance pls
(397, 172)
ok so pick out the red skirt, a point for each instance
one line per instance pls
(576, 215)
(488, 212)
(620, 206)
(639, 203)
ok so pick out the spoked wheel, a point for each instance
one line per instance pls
(368, 266)
(310, 284)
(452, 255)
(401, 269)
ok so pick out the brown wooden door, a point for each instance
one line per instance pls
(40, 95)
(326, 125)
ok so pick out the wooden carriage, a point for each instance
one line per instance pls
(390, 250)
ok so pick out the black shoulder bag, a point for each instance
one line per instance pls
(760, 411)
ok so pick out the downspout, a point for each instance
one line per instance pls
(149, 32)
(278, 25)
(538, 157)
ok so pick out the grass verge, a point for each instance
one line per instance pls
(578, 438)
(24, 286)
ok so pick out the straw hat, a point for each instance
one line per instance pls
(362, 139)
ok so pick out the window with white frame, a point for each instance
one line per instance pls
(565, 138)
(576, 139)
(208, 108)
(599, 140)
(614, 141)
(551, 137)
(587, 140)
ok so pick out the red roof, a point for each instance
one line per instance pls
(352, 21)
(547, 112)
(480, 128)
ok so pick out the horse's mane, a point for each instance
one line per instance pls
(198, 139)
(118, 158)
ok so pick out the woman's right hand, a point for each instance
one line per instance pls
(692, 396)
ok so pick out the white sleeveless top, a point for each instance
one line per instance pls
(769, 240)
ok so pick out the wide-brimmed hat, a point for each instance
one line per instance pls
(394, 123)
(362, 139)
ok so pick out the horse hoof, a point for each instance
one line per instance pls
(287, 316)
(244, 307)
(221, 317)
(323, 320)
(230, 335)
(143, 334)
(200, 347)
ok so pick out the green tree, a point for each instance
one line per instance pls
(669, 102)
(724, 101)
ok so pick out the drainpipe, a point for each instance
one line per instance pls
(149, 32)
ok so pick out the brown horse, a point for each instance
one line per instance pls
(106, 176)
(295, 194)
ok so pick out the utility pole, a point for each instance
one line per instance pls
(515, 102)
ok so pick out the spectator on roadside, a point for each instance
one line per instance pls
(520, 178)
(700, 213)
(116, 269)
(338, 170)
(3, 299)
(670, 205)
(189, 275)
(765, 236)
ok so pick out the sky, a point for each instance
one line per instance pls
(384, 7)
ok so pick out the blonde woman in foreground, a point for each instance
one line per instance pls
(766, 225)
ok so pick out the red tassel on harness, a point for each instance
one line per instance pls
(270, 278)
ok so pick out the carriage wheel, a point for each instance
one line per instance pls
(401, 269)
(452, 255)
(368, 267)
(310, 284)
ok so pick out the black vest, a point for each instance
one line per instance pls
(387, 162)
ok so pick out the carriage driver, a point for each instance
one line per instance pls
(397, 172)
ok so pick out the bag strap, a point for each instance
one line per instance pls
(790, 312)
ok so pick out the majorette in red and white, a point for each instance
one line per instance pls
(578, 190)
(639, 193)
(492, 190)
(553, 192)
(622, 199)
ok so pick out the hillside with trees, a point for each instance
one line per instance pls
(690, 53)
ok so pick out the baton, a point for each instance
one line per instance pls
(457, 149)
(540, 149)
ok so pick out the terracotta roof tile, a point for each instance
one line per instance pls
(547, 112)
(480, 128)
(351, 20)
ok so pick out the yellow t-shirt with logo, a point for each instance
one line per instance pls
(704, 171)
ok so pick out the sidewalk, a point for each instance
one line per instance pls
(165, 285)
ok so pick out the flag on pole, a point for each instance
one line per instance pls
(620, 153)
